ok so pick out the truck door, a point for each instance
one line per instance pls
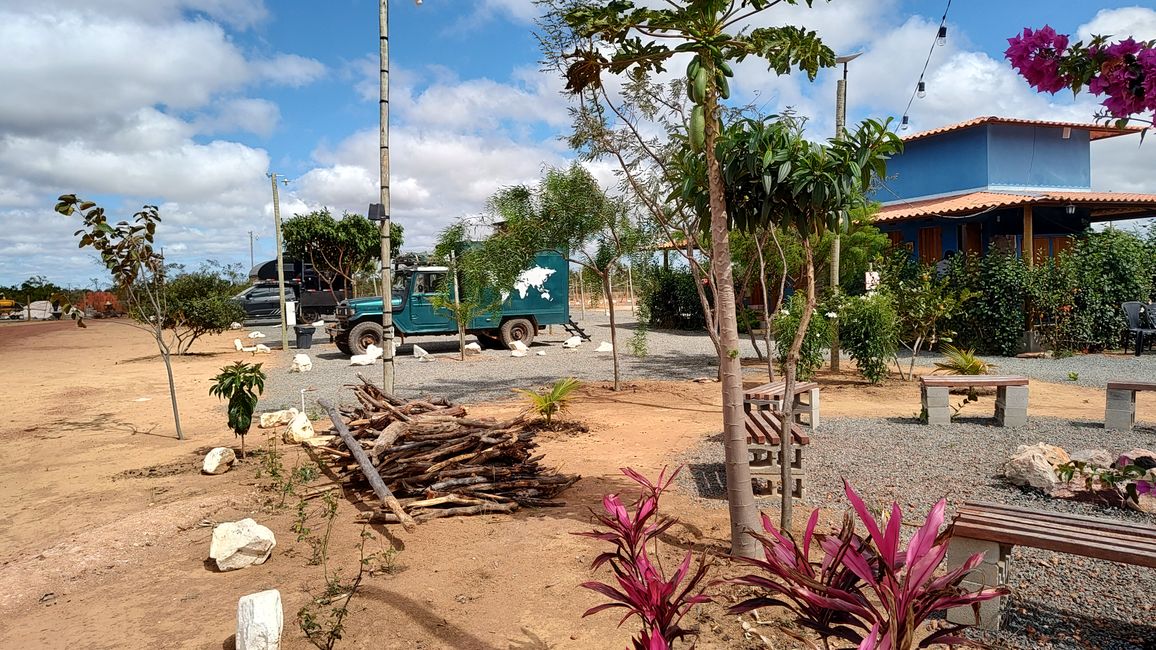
(423, 315)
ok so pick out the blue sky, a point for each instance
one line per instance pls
(189, 103)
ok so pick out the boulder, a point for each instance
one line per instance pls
(259, 621)
(256, 335)
(240, 347)
(473, 348)
(276, 418)
(218, 460)
(374, 352)
(362, 360)
(300, 430)
(261, 348)
(604, 347)
(1030, 466)
(301, 363)
(1093, 457)
(517, 353)
(1139, 453)
(572, 342)
(238, 544)
(235, 326)
(1055, 455)
(519, 346)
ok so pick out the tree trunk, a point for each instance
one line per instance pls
(788, 411)
(613, 324)
(766, 307)
(740, 494)
(165, 356)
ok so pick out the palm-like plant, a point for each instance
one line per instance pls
(550, 402)
(961, 362)
(240, 383)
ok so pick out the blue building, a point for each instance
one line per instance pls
(999, 183)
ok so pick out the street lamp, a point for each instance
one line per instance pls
(840, 128)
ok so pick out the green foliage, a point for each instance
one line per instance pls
(337, 248)
(1073, 376)
(672, 300)
(926, 305)
(198, 304)
(553, 401)
(961, 362)
(995, 322)
(869, 332)
(466, 263)
(1108, 268)
(1124, 480)
(241, 384)
(785, 323)
(1052, 294)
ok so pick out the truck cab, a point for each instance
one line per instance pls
(540, 298)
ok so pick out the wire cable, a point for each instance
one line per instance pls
(942, 26)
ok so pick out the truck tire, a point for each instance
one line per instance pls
(362, 334)
(518, 329)
(342, 343)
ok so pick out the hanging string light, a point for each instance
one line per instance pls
(921, 85)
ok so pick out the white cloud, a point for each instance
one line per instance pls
(1137, 22)
(240, 14)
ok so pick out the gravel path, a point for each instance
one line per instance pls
(1059, 601)
(671, 355)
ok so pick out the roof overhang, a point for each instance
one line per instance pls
(1095, 131)
(1102, 206)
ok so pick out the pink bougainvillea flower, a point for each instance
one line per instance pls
(1120, 78)
(1147, 61)
(1036, 55)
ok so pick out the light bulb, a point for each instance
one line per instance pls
(942, 38)
(921, 90)
(904, 123)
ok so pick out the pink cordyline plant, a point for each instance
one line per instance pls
(643, 590)
(865, 590)
(1123, 72)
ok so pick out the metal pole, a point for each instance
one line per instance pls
(251, 262)
(387, 368)
(280, 262)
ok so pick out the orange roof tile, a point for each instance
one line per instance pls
(1098, 131)
(977, 202)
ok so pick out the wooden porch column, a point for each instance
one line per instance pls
(1029, 238)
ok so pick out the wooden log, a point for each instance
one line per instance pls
(487, 509)
(367, 467)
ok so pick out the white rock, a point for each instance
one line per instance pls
(256, 335)
(541, 353)
(1055, 455)
(374, 352)
(420, 352)
(238, 544)
(218, 460)
(259, 621)
(261, 348)
(473, 348)
(517, 353)
(519, 346)
(1031, 467)
(276, 418)
(604, 347)
(320, 323)
(237, 344)
(572, 342)
(300, 429)
(1093, 457)
(362, 360)
(301, 363)
(235, 325)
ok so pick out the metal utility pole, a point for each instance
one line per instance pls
(251, 262)
(280, 260)
(840, 128)
(386, 284)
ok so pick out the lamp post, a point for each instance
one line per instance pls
(840, 127)
(280, 259)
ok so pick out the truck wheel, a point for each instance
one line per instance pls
(342, 343)
(362, 335)
(489, 341)
(310, 315)
(518, 329)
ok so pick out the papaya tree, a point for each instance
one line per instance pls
(617, 37)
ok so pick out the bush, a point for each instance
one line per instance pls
(1108, 268)
(869, 332)
(785, 323)
(994, 323)
(671, 300)
(198, 304)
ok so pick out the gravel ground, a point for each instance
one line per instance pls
(1094, 370)
(671, 355)
(1059, 600)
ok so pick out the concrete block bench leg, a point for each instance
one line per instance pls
(937, 404)
(814, 409)
(1011, 406)
(1120, 410)
(992, 572)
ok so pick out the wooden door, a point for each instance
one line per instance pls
(973, 239)
(930, 245)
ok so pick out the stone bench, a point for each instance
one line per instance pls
(761, 406)
(993, 529)
(1011, 402)
(1120, 405)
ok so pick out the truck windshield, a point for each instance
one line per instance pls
(400, 288)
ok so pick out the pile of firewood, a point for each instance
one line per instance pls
(425, 459)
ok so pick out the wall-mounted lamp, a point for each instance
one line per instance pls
(942, 38)
(1070, 209)
(921, 90)
(1067, 133)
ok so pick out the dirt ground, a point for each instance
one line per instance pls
(106, 520)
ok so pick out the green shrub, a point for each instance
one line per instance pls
(994, 323)
(961, 362)
(671, 300)
(785, 323)
(869, 332)
(1108, 268)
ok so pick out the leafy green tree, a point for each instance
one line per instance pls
(465, 294)
(926, 304)
(198, 304)
(337, 248)
(869, 331)
(241, 384)
(570, 214)
(617, 37)
(138, 271)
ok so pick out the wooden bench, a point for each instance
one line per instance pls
(762, 406)
(993, 529)
(1120, 405)
(1011, 402)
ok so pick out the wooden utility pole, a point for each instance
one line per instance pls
(387, 378)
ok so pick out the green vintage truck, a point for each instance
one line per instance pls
(541, 297)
